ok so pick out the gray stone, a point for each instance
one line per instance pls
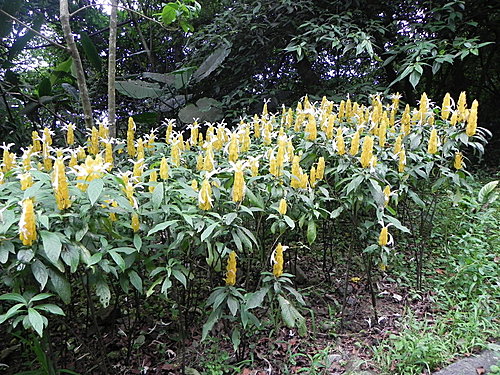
(468, 366)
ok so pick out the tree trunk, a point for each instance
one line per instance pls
(112, 69)
(80, 73)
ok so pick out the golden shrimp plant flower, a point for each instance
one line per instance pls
(239, 186)
(458, 162)
(27, 224)
(278, 260)
(135, 223)
(205, 195)
(320, 168)
(355, 144)
(470, 129)
(60, 185)
(164, 169)
(283, 206)
(367, 151)
(130, 137)
(231, 269)
(432, 148)
(92, 169)
(340, 141)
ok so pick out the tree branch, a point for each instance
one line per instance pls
(80, 73)
(33, 30)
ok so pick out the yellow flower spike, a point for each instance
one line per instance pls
(140, 149)
(135, 224)
(238, 193)
(94, 141)
(330, 126)
(256, 126)
(175, 154)
(254, 166)
(245, 139)
(27, 224)
(296, 172)
(60, 185)
(432, 148)
(278, 260)
(304, 180)
(397, 144)
(233, 148)
(81, 153)
(406, 120)
(446, 106)
(320, 169)
(164, 169)
(383, 238)
(395, 101)
(205, 195)
(311, 129)
(168, 131)
(282, 208)
(26, 180)
(367, 151)
(208, 161)
(354, 149)
(70, 135)
(341, 110)
(471, 127)
(273, 165)
(289, 118)
(461, 106)
(8, 160)
(312, 176)
(382, 131)
(299, 119)
(35, 139)
(108, 155)
(112, 215)
(402, 161)
(387, 195)
(200, 139)
(153, 178)
(423, 106)
(195, 130)
(131, 137)
(231, 269)
(454, 118)
(194, 185)
(138, 169)
(128, 189)
(47, 138)
(348, 108)
(458, 162)
(339, 139)
(266, 133)
(199, 162)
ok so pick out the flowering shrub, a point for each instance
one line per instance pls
(167, 210)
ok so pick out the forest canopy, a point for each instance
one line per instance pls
(221, 59)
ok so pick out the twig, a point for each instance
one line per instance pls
(33, 30)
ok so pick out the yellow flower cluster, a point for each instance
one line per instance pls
(231, 269)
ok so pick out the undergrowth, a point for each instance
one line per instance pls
(462, 274)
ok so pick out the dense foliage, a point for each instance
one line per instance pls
(159, 216)
(232, 55)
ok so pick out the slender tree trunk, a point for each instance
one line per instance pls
(112, 69)
(80, 73)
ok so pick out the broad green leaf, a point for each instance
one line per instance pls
(91, 51)
(484, 195)
(36, 321)
(118, 259)
(233, 305)
(40, 297)
(137, 242)
(212, 62)
(51, 245)
(94, 190)
(103, 292)
(13, 311)
(208, 231)
(257, 298)
(311, 232)
(212, 319)
(179, 275)
(161, 226)
(6, 247)
(139, 89)
(60, 285)
(136, 280)
(13, 297)
(286, 312)
(235, 339)
(157, 196)
(51, 308)
(168, 14)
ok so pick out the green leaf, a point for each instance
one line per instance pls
(137, 242)
(138, 89)
(60, 285)
(235, 338)
(13, 297)
(157, 196)
(311, 232)
(44, 87)
(51, 308)
(51, 245)
(91, 51)
(208, 231)
(40, 297)
(212, 319)
(13, 311)
(94, 190)
(103, 292)
(118, 259)
(212, 62)
(36, 321)
(168, 14)
(415, 78)
(233, 305)
(136, 280)
(289, 222)
(161, 226)
(179, 275)
(286, 312)
(6, 247)
(257, 298)
(486, 193)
